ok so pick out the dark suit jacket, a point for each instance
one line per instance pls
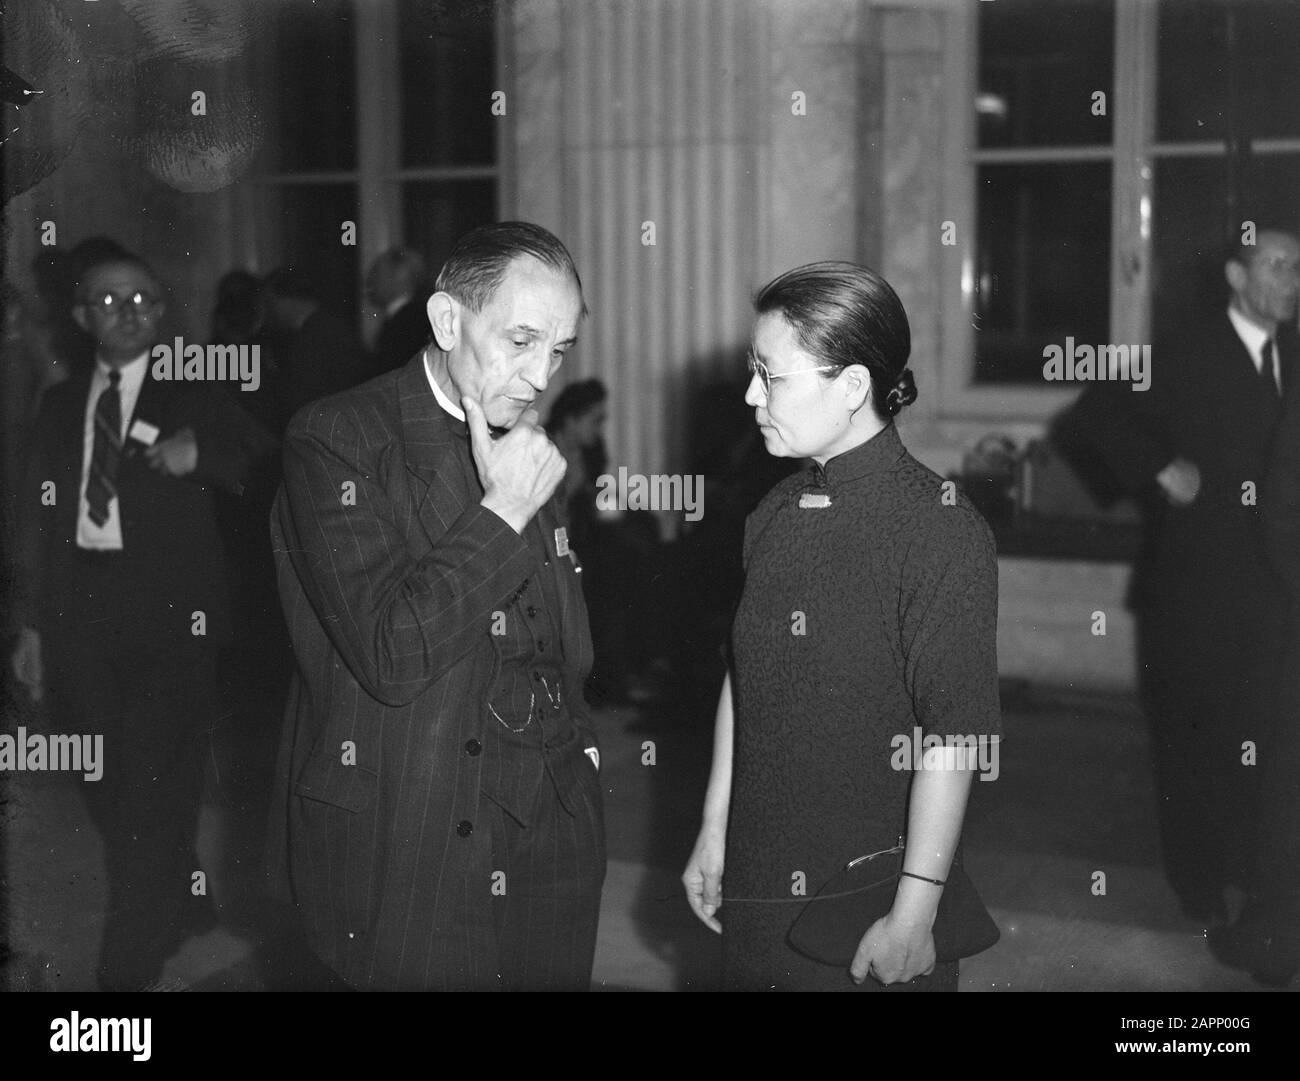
(390, 598)
(1279, 842)
(404, 332)
(1281, 499)
(324, 356)
(169, 525)
(1206, 403)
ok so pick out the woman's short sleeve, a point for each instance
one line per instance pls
(949, 615)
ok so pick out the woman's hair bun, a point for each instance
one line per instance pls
(902, 393)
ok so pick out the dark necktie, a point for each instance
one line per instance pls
(1267, 369)
(102, 483)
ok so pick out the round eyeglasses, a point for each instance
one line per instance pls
(113, 303)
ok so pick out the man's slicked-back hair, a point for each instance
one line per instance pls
(477, 264)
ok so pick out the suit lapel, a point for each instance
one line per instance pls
(442, 483)
(150, 406)
(1247, 385)
(70, 444)
(68, 447)
(1243, 364)
(567, 578)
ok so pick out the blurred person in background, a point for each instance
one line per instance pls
(1211, 610)
(397, 287)
(317, 352)
(123, 599)
(254, 669)
(623, 558)
(1264, 940)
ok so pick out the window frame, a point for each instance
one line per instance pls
(1131, 101)
(379, 173)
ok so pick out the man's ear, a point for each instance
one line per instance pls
(81, 317)
(444, 317)
(1236, 275)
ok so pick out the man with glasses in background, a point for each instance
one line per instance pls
(120, 599)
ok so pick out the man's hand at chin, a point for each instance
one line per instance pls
(519, 471)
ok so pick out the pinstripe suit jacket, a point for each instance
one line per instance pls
(390, 571)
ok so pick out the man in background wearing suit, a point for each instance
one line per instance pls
(317, 352)
(437, 816)
(122, 602)
(395, 287)
(1211, 612)
(1265, 939)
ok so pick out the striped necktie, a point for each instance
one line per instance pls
(1267, 369)
(101, 487)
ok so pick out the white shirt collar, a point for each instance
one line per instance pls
(1252, 336)
(132, 372)
(443, 400)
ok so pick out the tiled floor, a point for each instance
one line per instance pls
(1073, 798)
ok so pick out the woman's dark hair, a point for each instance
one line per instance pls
(845, 314)
(574, 400)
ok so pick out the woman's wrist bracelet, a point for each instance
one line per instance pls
(932, 881)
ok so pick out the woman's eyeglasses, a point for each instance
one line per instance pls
(758, 368)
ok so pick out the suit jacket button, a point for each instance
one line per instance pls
(464, 827)
(532, 611)
(473, 747)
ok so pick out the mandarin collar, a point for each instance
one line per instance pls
(879, 454)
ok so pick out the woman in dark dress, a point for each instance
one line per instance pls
(868, 622)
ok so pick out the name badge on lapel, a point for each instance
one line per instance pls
(143, 432)
(814, 500)
(562, 548)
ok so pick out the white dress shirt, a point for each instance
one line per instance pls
(443, 400)
(1253, 338)
(108, 537)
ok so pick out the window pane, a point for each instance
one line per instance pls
(448, 74)
(1203, 44)
(439, 212)
(1040, 64)
(1193, 224)
(311, 217)
(1042, 265)
(312, 84)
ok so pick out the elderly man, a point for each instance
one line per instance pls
(438, 814)
(1211, 612)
